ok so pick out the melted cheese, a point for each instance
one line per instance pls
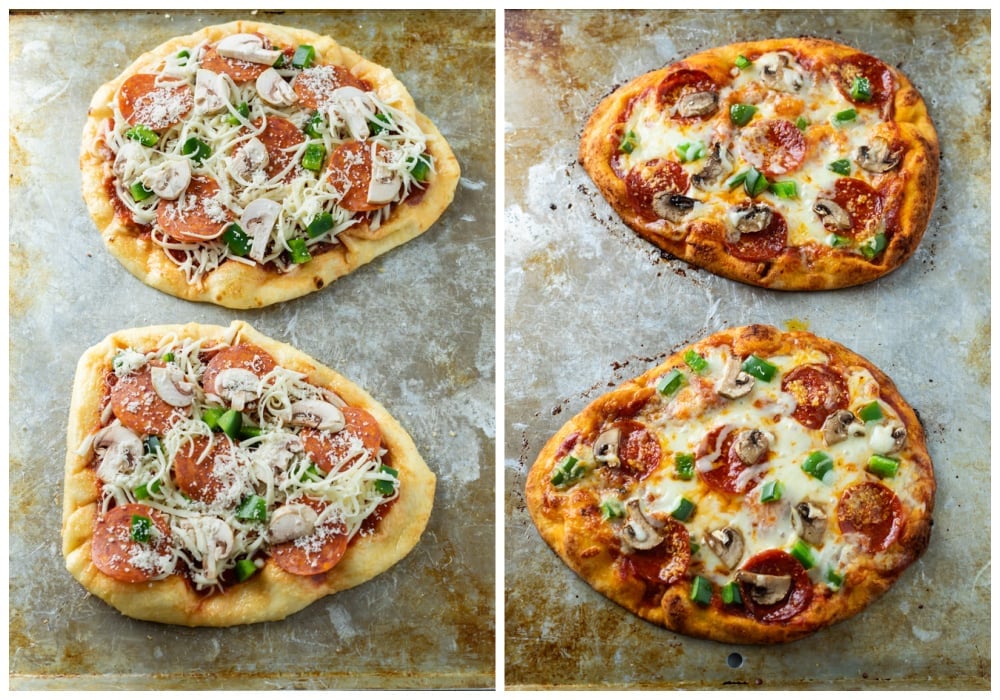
(768, 408)
(659, 136)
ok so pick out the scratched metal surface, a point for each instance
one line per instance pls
(589, 305)
(416, 328)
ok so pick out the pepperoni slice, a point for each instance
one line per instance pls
(567, 445)
(197, 215)
(874, 512)
(667, 561)
(351, 172)
(880, 80)
(207, 477)
(728, 467)
(862, 203)
(313, 85)
(776, 147)
(242, 356)
(328, 450)
(240, 71)
(818, 390)
(315, 553)
(681, 83)
(136, 404)
(762, 246)
(638, 449)
(774, 562)
(142, 100)
(280, 137)
(648, 179)
(116, 554)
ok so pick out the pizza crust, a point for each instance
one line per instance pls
(805, 268)
(235, 285)
(271, 594)
(570, 521)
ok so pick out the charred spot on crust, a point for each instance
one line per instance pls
(318, 281)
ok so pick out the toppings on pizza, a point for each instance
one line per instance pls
(234, 477)
(258, 151)
(758, 468)
(243, 147)
(232, 458)
(783, 163)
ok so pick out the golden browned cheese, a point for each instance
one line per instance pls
(787, 139)
(614, 516)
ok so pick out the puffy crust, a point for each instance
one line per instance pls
(271, 594)
(570, 521)
(805, 268)
(234, 285)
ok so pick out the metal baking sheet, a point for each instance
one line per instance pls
(415, 328)
(589, 305)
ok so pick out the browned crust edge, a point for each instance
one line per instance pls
(829, 270)
(577, 538)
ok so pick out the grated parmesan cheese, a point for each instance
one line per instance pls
(303, 194)
(272, 465)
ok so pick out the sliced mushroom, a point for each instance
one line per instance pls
(638, 532)
(714, 168)
(251, 158)
(214, 538)
(211, 92)
(169, 385)
(886, 439)
(384, 185)
(321, 415)
(168, 179)
(672, 207)
(877, 157)
(290, 522)
(132, 157)
(349, 105)
(219, 536)
(698, 104)
(120, 449)
(765, 589)
(274, 89)
(776, 72)
(809, 521)
(840, 425)
(237, 386)
(606, 447)
(247, 47)
(751, 446)
(727, 544)
(332, 397)
(258, 221)
(749, 219)
(735, 382)
(832, 214)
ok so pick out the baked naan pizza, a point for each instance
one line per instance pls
(755, 487)
(796, 163)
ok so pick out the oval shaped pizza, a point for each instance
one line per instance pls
(755, 487)
(796, 164)
(248, 163)
(217, 477)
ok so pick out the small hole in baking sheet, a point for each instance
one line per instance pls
(734, 660)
